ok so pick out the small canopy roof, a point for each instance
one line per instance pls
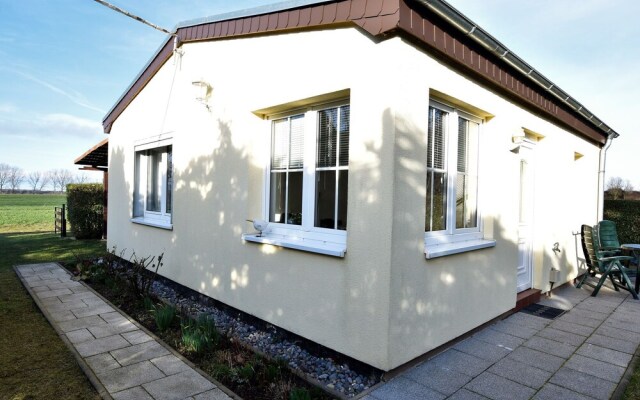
(96, 157)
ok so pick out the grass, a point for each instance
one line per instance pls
(34, 362)
(29, 212)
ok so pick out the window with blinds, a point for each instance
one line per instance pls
(436, 210)
(332, 164)
(287, 162)
(309, 169)
(452, 171)
(467, 175)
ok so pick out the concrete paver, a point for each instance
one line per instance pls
(581, 355)
(123, 360)
(177, 387)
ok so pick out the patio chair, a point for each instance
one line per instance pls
(608, 235)
(600, 263)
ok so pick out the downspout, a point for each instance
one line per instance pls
(601, 175)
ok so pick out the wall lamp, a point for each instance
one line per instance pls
(202, 92)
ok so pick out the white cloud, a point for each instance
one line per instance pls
(7, 108)
(48, 126)
(76, 97)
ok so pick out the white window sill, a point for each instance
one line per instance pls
(310, 245)
(447, 249)
(155, 224)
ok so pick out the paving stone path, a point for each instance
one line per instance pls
(122, 359)
(582, 354)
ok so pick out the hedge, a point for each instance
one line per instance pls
(84, 202)
(626, 215)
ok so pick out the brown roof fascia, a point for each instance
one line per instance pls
(381, 18)
(374, 16)
(97, 156)
(459, 51)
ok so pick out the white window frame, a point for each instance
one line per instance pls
(140, 214)
(454, 240)
(305, 237)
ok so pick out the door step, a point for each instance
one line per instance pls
(526, 298)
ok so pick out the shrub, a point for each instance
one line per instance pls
(164, 316)
(626, 215)
(140, 280)
(85, 207)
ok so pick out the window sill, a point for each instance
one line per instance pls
(310, 245)
(441, 250)
(155, 224)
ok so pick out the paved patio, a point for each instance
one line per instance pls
(582, 354)
(122, 359)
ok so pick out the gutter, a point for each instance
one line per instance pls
(471, 29)
(601, 175)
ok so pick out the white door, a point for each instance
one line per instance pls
(525, 253)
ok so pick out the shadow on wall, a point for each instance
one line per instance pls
(436, 300)
(210, 203)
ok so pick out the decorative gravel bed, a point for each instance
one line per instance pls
(266, 338)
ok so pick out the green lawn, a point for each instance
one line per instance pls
(29, 212)
(34, 362)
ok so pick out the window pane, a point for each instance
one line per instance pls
(327, 140)
(345, 114)
(277, 198)
(296, 157)
(436, 199)
(467, 177)
(294, 203)
(466, 202)
(436, 208)
(169, 179)
(279, 144)
(343, 184)
(436, 139)
(153, 180)
(325, 199)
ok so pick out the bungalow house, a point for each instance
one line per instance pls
(417, 177)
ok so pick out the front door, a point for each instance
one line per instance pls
(525, 206)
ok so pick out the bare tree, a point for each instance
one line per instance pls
(4, 175)
(81, 178)
(44, 181)
(16, 177)
(34, 179)
(61, 178)
(53, 176)
(616, 187)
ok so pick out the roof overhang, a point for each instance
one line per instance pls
(96, 158)
(433, 24)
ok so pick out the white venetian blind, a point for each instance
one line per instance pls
(436, 139)
(296, 154)
(287, 144)
(327, 138)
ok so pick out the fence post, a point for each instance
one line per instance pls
(63, 228)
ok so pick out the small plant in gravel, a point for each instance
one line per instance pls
(299, 394)
(199, 335)
(148, 304)
(164, 316)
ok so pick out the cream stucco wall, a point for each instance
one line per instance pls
(383, 303)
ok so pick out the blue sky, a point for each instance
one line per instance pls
(64, 63)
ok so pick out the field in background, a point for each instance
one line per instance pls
(34, 362)
(29, 212)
